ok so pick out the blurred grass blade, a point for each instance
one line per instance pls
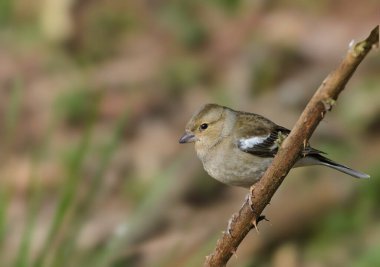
(13, 111)
(127, 232)
(22, 258)
(82, 209)
(67, 195)
(5, 194)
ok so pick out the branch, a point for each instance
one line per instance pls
(262, 192)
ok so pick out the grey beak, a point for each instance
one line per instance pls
(187, 138)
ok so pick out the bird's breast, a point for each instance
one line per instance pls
(233, 166)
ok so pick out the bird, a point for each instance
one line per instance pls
(236, 147)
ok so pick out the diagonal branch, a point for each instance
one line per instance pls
(262, 192)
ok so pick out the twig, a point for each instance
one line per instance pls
(261, 194)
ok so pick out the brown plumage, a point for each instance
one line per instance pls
(237, 147)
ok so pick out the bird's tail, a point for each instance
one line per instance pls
(339, 167)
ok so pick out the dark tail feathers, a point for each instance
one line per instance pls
(339, 167)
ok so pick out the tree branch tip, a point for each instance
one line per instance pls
(373, 37)
(375, 31)
(372, 41)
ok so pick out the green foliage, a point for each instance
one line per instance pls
(181, 18)
(181, 74)
(13, 111)
(105, 27)
(73, 162)
(5, 197)
(228, 5)
(6, 10)
(267, 73)
(23, 256)
(369, 258)
(343, 226)
(370, 191)
(77, 107)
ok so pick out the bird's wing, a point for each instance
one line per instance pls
(261, 137)
(264, 145)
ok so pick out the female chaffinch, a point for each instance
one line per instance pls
(237, 147)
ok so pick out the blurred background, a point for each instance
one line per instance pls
(95, 95)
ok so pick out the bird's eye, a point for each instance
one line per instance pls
(203, 126)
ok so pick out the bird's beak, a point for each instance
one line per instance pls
(187, 138)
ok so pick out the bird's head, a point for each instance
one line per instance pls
(206, 126)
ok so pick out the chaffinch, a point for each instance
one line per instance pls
(237, 147)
